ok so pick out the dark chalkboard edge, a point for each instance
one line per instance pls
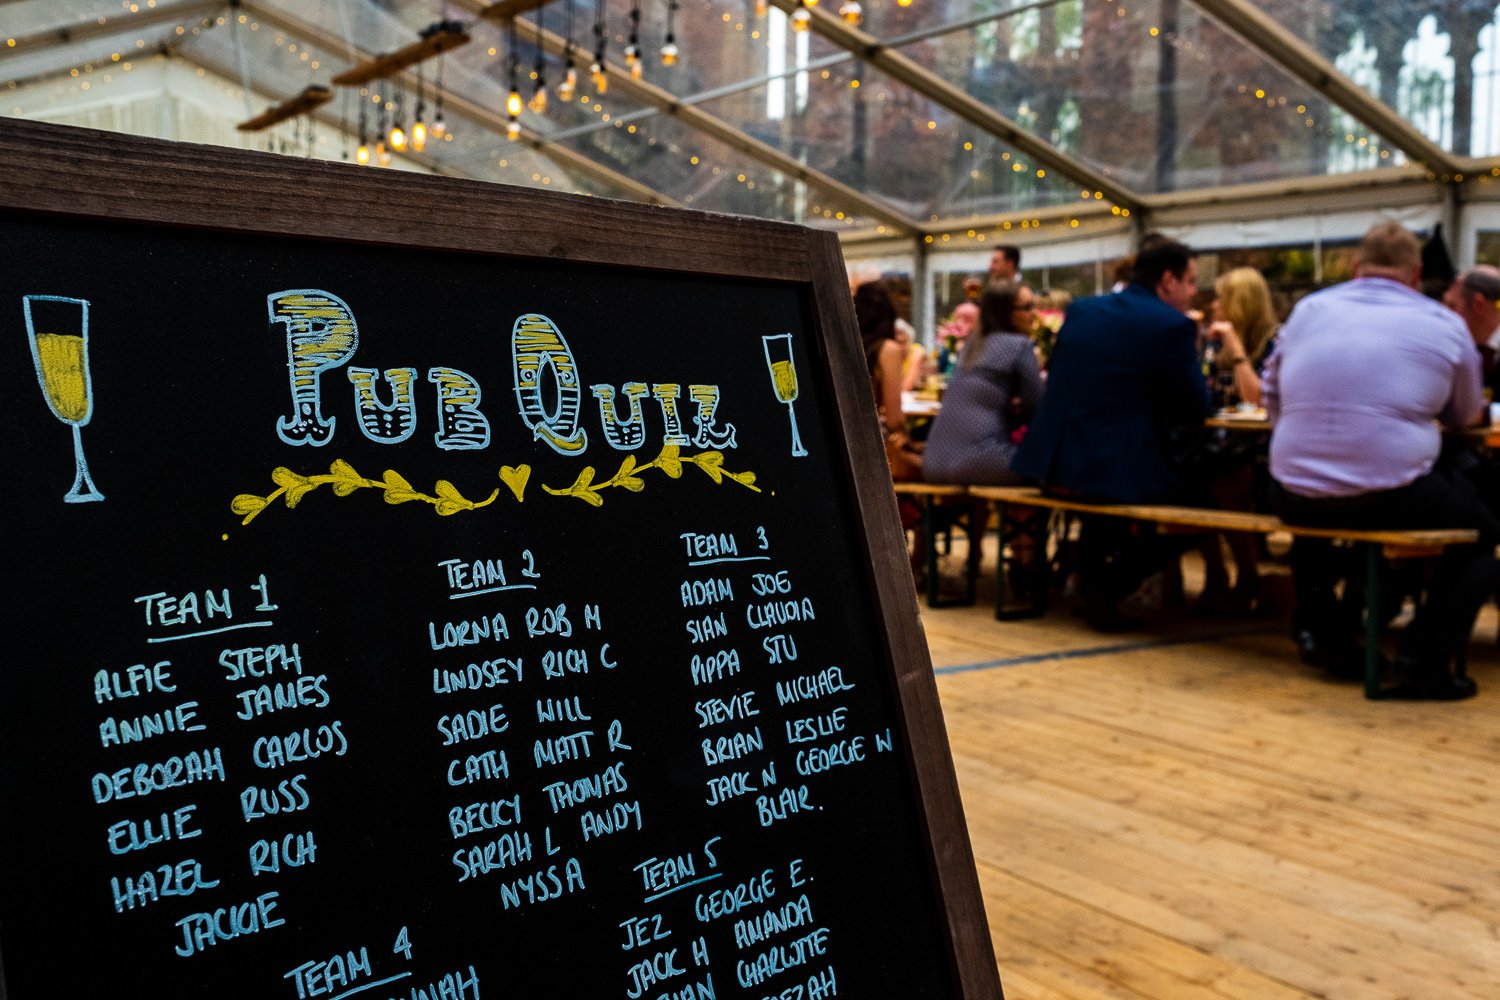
(62, 169)
(926, 737)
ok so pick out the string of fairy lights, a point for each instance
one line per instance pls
(393, 119)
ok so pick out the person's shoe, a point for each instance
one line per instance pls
(1426, 680)
(1110, 620)
(1341, 657)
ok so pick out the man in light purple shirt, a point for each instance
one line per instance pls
(1362, 374)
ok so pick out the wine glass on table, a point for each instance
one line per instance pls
(778, 348)
(58, 329)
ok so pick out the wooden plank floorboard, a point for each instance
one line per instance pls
(1298, 828)
(1193, 814)
(1430, 780)
(1139, 959)
(1314, 946)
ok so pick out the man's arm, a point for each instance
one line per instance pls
(1186, 399)
(1465, 407)
(1270, 396)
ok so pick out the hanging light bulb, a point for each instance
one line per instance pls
(669, 51)
(903, 3)
(852, 12)
(439, 127)
(513, 103)
(419, 127)
(570, 73)
(513, 130)
(800, 18)
(809, 3)
(538, 102)
(362, 154)
(762, 8)
(397, 135)
(596, 68)
(381, 156)
(633, 48)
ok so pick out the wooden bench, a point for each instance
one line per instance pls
(1411, 544)
(927, 497)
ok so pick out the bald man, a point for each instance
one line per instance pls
(1362, 375)
(1475, 296)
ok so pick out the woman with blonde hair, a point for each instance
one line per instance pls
(1244, 327)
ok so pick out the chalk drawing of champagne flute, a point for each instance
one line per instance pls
(778, 348)
(58, 329)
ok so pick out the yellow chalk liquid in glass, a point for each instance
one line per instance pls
(61, 359)
(784, 380)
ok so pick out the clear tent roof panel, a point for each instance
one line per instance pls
(1157, 105)
(275, 65)
(701, 172)
(506, 162)
(721, 42)
(887, 19)
(23, 66)
(1416, 57)
(880, 137)
(21, 18)
(274, 62)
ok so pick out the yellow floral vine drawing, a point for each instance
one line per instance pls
(291, 487)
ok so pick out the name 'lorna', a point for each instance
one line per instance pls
(322, 336)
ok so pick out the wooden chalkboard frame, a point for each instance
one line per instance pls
(56, 170)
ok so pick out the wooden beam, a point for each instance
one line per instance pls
(506, 10)
(300, 104)
(434, 41)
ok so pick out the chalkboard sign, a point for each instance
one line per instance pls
(427, 589)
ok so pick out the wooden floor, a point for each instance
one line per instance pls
(1189, 813)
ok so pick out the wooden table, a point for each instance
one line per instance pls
(1487, 436)
(914, 407)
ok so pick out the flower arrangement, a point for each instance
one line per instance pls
(1044, 333)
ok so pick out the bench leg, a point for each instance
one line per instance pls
(934, 584)
(929, 542)
(1373, 567)
(1034, 528)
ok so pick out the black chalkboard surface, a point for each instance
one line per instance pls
(433, 590)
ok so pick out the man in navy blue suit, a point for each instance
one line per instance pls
(1124, 374)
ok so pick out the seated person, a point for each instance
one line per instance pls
(1124, 372)
(1360, 374)
(994, 390)
(1244, 331)
(917, 364)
